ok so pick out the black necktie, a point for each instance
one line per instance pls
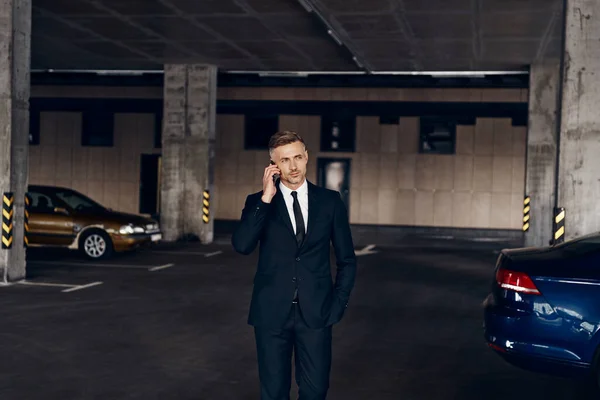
(299, 219)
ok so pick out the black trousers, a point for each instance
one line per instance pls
(312, 352)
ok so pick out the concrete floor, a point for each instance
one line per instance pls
(412, 330)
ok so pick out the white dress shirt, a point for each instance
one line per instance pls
(302, 199)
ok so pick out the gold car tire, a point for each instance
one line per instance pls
(95, 244)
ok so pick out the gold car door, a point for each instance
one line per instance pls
(48, 224)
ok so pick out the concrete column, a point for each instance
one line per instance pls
(542, 147)
(579, 142)
(187, 150)
(15, 50)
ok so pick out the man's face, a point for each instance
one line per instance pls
(291, 160)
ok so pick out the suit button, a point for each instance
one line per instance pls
(297, 258)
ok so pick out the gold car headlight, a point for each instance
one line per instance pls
(130, 229)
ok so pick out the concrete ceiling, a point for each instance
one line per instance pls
(281, 35)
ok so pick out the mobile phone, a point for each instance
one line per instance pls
(275, 176)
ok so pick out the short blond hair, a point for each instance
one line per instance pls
(282, 138)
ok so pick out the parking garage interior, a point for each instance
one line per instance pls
(451, 129)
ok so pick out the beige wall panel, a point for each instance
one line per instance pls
(389, 138)
(369, 203)
(484, 137)
(62, 183)
(519, 144)
(64, 163)
(444, 177)
(129, 197)
(227, 162)
(388, 171)
(405, 207)
(386, 206)
(48, 128)
(96, 190)
(368, 135)
(481, 208)
(112, 195)
(145, 92)
(465, 139)
(424, 208)
(80, 163)
(246, 171)
(95, 164)
(48, 162)
(463, 173)
(349, 94)
(369, 166)
(501, 95)
(503, 137)
(384, 94)
(482, 173)
(407, 165)
(425, 174)
(408, 140)
(355, 172)
(502, 174)
(500, 215)
(80, 186)
(516, 211)
(276, 93)
(442, 208)
(518, 175)
(261, 161)
(111, 164)
(228, 203)
(462, 210)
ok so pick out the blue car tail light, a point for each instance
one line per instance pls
(516, 281)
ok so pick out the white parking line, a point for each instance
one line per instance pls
(160, 267)
(74, 264)
(92, 265)
(214, 253)
(89, 285)
(70, 287)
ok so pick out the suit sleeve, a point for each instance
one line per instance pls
(245, 237)
(344, 252)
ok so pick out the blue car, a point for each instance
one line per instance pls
(543, 312)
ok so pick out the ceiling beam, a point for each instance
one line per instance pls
(399, 14)
(476, 32)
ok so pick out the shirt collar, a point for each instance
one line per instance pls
(286, 191)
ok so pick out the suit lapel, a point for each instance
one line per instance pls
(312, 209)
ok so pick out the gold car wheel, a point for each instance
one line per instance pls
(94, 245)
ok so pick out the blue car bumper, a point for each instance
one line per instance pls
(509, 333)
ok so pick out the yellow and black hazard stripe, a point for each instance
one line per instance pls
(8, 201)
(526, 210)
(26, 220)
(206, 207)
(559, 225)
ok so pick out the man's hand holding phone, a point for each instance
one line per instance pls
(269, 189)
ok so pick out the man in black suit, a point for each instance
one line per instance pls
(295, 302)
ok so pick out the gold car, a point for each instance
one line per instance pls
(61, 217)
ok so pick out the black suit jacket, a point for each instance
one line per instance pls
(282, 264)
